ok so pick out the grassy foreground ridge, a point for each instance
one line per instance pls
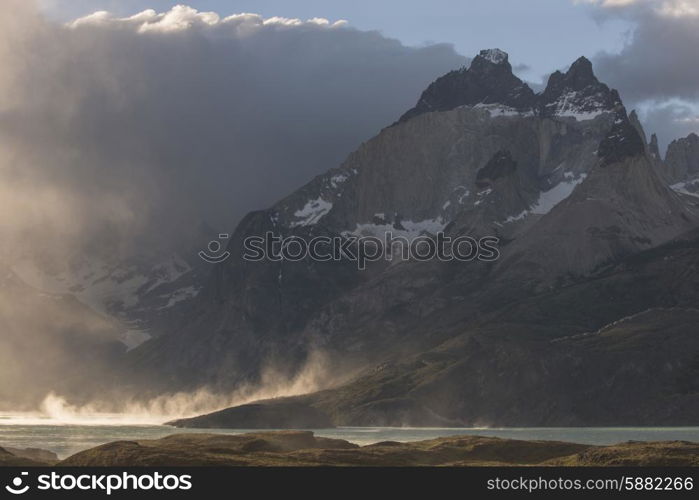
(303, 448)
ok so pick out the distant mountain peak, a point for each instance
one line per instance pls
(494, 56)
(578, 93)
(489, 81)
(492, 61)
(581, 72)
(579, 75)
(623, 141)
(654, 148)
(682, 159)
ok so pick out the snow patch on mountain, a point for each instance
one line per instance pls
(407, 228)
(495, 56)
(561, 191)
(167, 272)
(338, 179)
(573, 105)
(134, 338)
(114, 290)
(102, 286)
(464, 195)
(497, 110)
(549, 199)
(515, 218)
(481, 195)
(185, 293)
(312, 212)
(689, 188)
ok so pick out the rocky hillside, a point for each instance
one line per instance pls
(682, 158)
(8, 459)
(590, 233)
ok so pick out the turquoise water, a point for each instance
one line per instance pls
(68, 439)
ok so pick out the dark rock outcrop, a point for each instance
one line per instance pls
(682, 159)
(500, 165)
(489, 80)
(262, 415)
(623, 141)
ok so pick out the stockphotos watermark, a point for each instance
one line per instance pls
(104, 483)
(366, 249)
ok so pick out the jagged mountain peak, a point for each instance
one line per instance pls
(488, 80)
(623, 140)
(578, 93)
(682, 159)
(636, 122)
(579, 75)
(654, 148)
(492, 56)
(692, 138)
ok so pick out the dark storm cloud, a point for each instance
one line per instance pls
(119, 136)
(153, 123)
(660, 59)
(671, 120)
(658, 64)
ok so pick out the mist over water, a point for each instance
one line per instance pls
(119, 137)
(56, 409)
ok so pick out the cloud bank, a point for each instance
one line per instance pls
(114, 129)
(120, 136)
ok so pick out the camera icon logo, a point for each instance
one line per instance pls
(16, 487)
(213, 254)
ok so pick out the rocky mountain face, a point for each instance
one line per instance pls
(541, 359)
(487, 82)
(682, 165)
(577, 93)
(567, 183)
(623, 207)
(135, 293)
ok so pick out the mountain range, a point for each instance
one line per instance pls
(588, 317)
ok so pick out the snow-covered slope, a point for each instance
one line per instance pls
(622, 207)
(132, 293)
